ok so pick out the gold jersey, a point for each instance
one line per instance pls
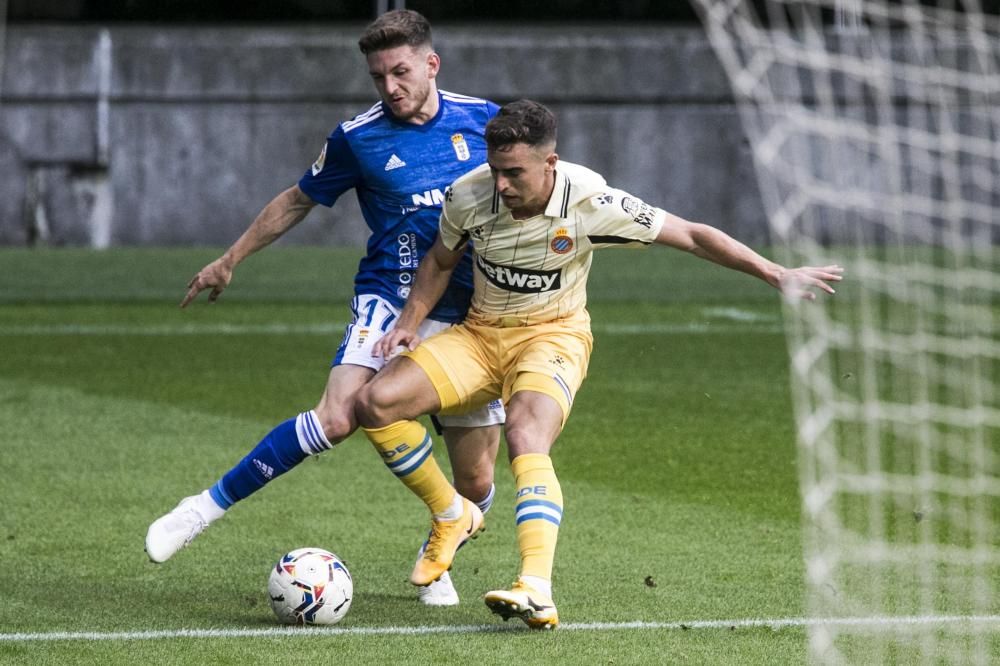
(535, 270)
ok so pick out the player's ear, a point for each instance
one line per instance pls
(433, 65)
(550, 161)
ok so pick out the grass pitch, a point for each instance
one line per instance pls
(677, 466)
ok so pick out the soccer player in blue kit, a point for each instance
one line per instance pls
(399, 156)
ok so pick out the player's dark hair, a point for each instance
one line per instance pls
(523, 121)
(400, 27)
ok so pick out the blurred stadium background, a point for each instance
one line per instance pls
(151, 123)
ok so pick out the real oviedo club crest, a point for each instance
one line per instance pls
(461, 147)
(562, 243)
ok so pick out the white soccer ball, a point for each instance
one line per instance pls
(310, 586)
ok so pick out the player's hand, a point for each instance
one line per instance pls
(216, 276)
(802, 283)
(393, 341)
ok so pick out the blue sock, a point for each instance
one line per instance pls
(282, 449)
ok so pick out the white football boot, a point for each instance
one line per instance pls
(439, 593)
(173, 531)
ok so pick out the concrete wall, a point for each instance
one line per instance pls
(178, 136)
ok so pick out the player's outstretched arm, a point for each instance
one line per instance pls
(428, 287)
(281, 214)
(714, 245)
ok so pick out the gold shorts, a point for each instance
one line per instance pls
(471, 364)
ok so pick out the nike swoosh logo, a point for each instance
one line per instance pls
(535, 606)
(471, 524)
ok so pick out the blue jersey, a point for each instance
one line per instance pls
(399, 172)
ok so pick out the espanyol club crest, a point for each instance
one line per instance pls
(461, 147)
(562, 243)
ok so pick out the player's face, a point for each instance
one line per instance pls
(524, 176)
(404, 77)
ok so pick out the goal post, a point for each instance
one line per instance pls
(875, 131)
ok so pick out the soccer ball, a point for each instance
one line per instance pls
(310, 586)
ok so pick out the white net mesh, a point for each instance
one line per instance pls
(875, 129)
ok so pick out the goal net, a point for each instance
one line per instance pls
(875, 129)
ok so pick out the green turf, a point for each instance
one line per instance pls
(677, 466)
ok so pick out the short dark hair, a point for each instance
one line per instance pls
(523, 121)
(400, 27)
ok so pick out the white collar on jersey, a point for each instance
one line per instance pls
(559, 202)
(574, 183)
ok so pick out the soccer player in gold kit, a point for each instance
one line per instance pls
(533, 222)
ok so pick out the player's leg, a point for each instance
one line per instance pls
(409, 386)
(293, 441)
(473, 454)
(472, 451)
(533, 422)
(546, 374)
(472, 438)
(284, 447)
(386, 409)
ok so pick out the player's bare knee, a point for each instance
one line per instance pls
(373, 407)
(474, 486)
(522, 439)
(473, 479)
(363, 408)
(337, 426)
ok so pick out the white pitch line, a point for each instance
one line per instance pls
(775, 624)
(694, 327)
(739, 314)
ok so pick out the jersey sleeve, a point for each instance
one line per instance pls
(617, 219)
(450, 228)
(335, 171)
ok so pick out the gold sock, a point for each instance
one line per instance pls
(405, 448)
(538, 513)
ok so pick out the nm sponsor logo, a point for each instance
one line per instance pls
(521, 280)
(433, 197)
